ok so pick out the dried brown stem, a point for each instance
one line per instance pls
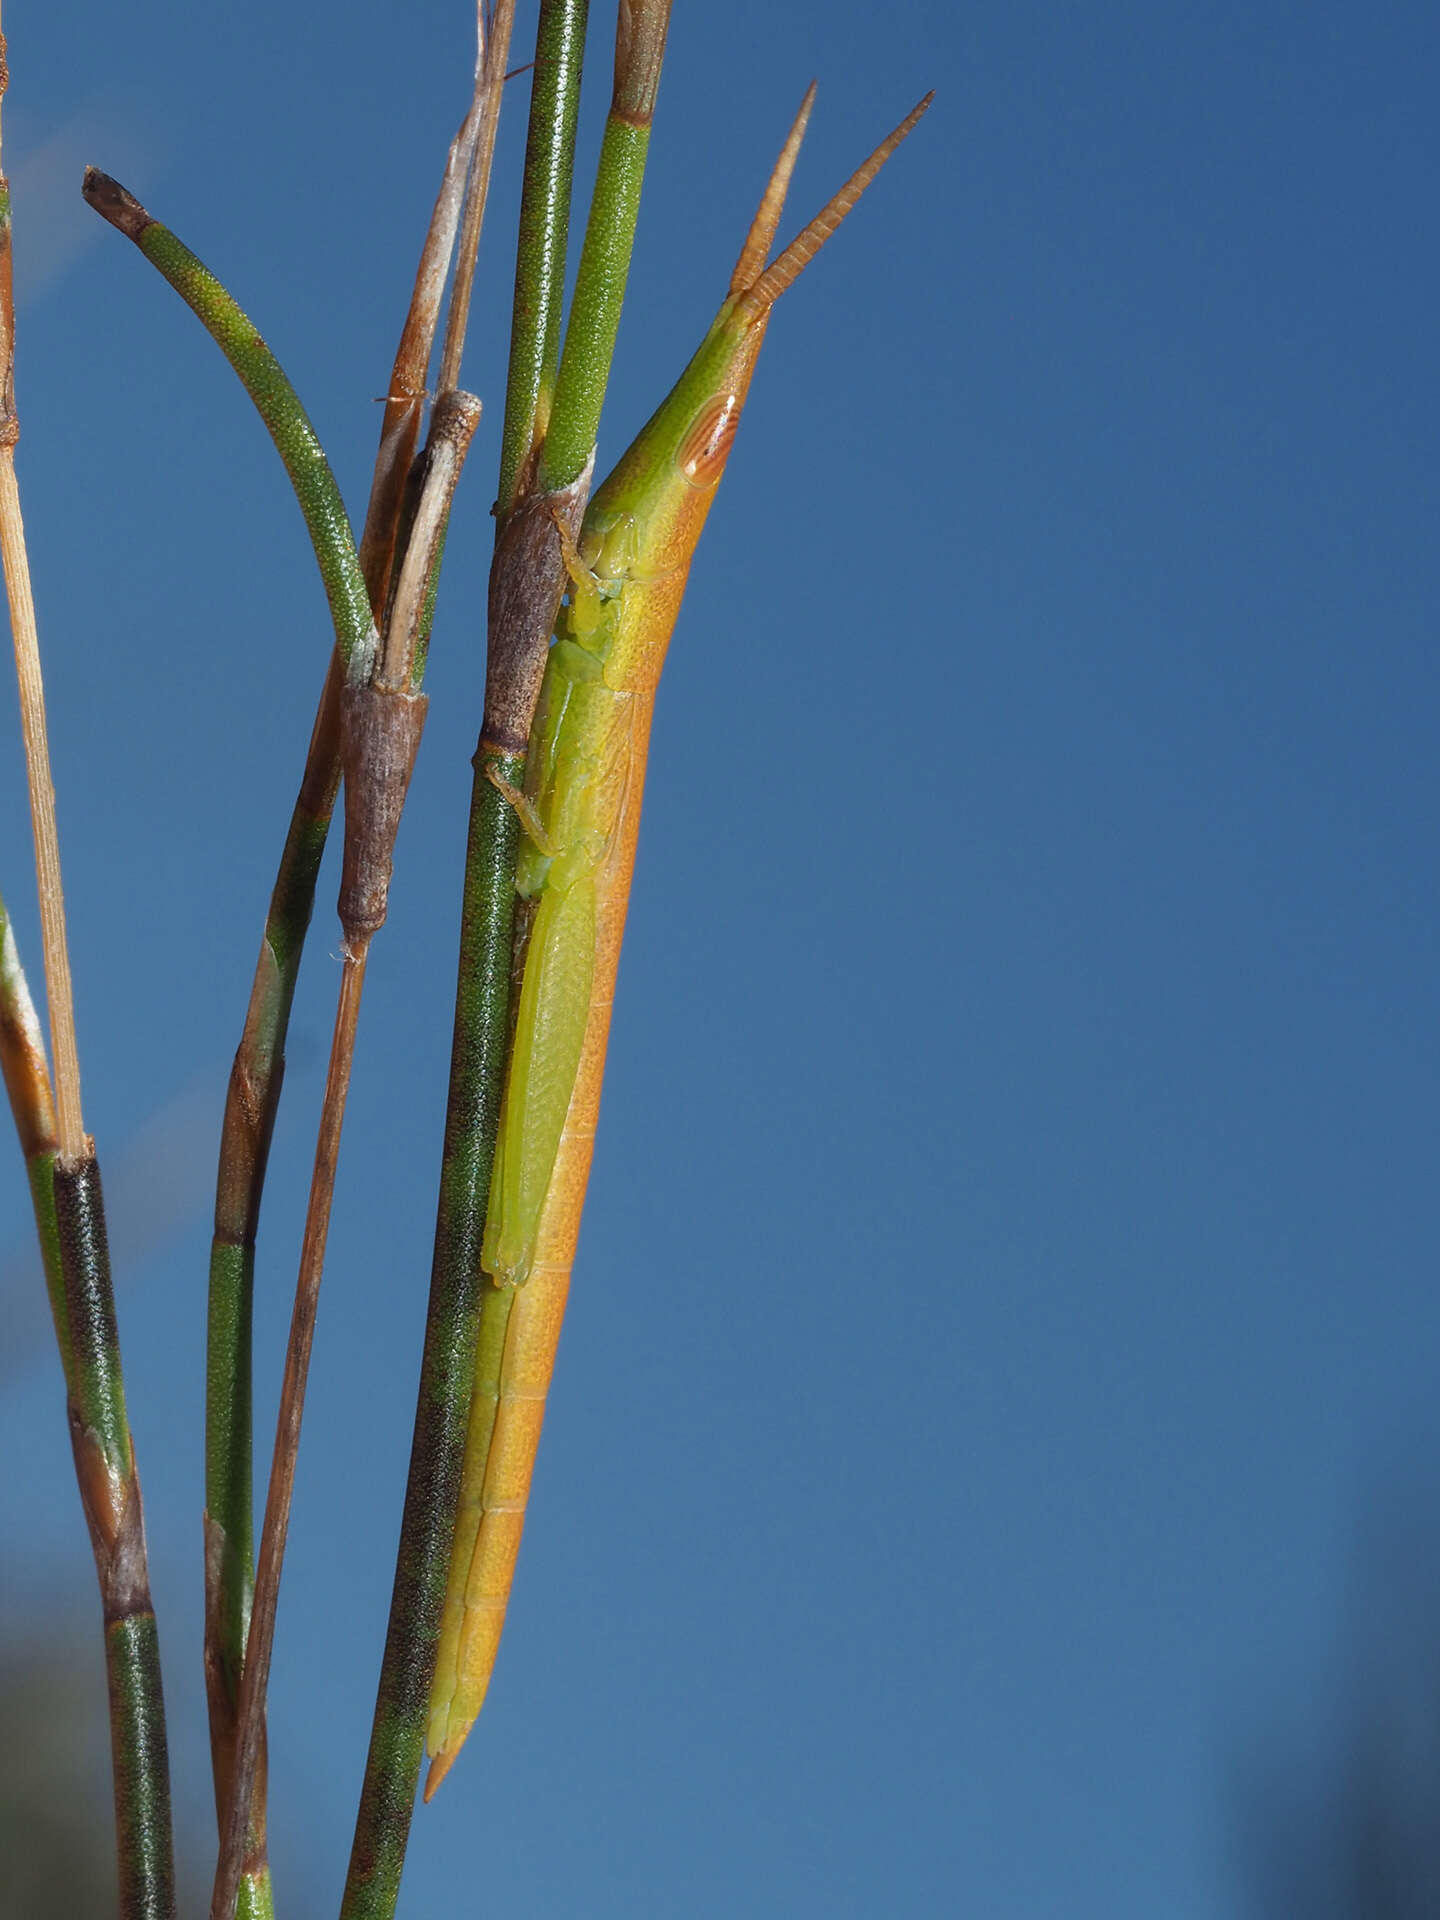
(452, 427)
(496, 51)
(59, 993)
(405, 396)
(254, 1679)
(259, 1062)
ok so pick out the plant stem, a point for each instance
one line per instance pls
(70, 1219)
(110, 1494)
(392, 1767)
(489, 91)
(258, 1072)
(250, 1108)
(543, 238)
(405, 395)
(397, 1738)
(609, 235)
(527, 580)
(59, 993)
(380, 725)
(27, 1082)
(255, 1672)
(275, 399)
(356, 591)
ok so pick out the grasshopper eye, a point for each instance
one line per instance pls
(706, 447)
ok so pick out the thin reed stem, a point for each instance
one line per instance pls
(495, 51)
(275, 399)
(251, 1104)
(482, 996)
(70, 1220)
(258, 1072)
(380, 726)
(357, 588)
(525, 586)
(405, 395)
(255, 1674)
(609, 236)
(59, 992)
(543, 238)
(380, 717)
(526, 583)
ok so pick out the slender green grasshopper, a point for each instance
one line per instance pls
(581, 810)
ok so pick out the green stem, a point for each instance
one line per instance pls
(405, 533)
(258, 1073)
(398, 1736)
(243, 1596)
(543, 237)
(609, 236)
(259, 1063)
(392, 1769)
(526, 582)
(380, 725)
(278, 405)
(70, 1219)
(142, 1781)
(251, 1104)
(255, 1080)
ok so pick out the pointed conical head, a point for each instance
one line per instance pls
(665, 481)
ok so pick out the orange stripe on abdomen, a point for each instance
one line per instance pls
(533, 1332)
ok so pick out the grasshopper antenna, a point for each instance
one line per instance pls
(761, 236)
(762, 294)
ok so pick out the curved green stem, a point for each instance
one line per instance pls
(277, 403)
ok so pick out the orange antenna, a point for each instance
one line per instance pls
(761, 236)
(804, 247)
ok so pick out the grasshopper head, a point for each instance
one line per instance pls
(672, 469)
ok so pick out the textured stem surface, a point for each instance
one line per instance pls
(251, 1104)
(392, 1767)
(70, 1222)
(543, 234)
(397, 1740)
(258, 1073)
(609, 236)
(70, 1219)
(526, 582)
(255, 1674)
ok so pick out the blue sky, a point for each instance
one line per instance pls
(991, 1466)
